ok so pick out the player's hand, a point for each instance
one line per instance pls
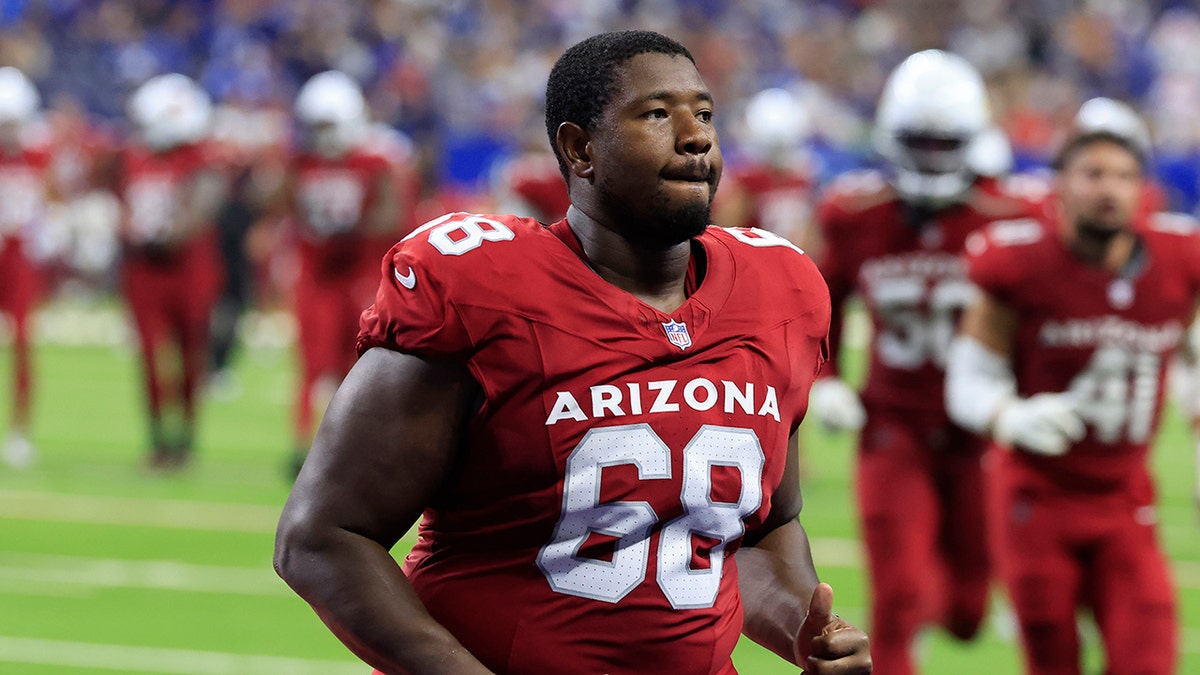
(826, 644)
(1045, 424)
(836, 405)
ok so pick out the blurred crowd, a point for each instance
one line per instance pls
(462, 81)
(464, 77)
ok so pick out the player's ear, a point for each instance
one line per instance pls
(574, 146)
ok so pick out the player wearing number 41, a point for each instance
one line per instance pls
(895, 239)
(594, 416)
(1061, 360)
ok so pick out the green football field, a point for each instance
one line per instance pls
(107, 568)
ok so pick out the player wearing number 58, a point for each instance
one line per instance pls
(1061, 360)
(594, 419)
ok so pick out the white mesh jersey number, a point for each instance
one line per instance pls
(631, 522)
(1117, 394)
(331, 202)
(151, 203)
(918, 322)
(21, 195)
(459, 233)
(761, 238)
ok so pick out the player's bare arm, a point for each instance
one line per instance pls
(787, 609)
(383, 449)
(205, 195)
(384, 216)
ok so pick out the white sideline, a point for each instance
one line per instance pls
(159, 660)
(136, 511)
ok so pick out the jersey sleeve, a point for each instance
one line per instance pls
(833, 259)
(413, 311)
(993, 256)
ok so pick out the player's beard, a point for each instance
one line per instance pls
(662, 223)
(1097, 231)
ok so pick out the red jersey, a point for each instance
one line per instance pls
(331, 200)
(535, 179)
(1105, 338)
(332, 196)
(620, 453)
(153, 185)
(23, 190)
(779, 199)
(907, 267)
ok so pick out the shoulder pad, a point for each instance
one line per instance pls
(1015, 232)
(858, 191)
(1174, 223)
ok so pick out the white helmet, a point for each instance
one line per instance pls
(331, 108)
(1114, 117)
(776, 122)
(989, 153)
(170, 110)
(933, 105)
(19, 99)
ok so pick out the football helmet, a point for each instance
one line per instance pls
(332, 113)
(776, 123)
(990, 154)
(1109, 115)
(933, 106)
(170, 110)
(19, 99)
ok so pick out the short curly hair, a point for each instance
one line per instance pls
(581, 81)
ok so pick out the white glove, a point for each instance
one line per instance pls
(1185, 388)
(1045, 424)
(836, 404)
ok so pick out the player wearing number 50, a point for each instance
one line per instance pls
(895, 239)
(1062, 360)
(594, 417)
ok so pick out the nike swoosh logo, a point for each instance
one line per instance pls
(409, 280)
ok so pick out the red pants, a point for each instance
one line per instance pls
(921, 502)
(171, 296)
(1059, 551)
(18, 294)
(327, 312)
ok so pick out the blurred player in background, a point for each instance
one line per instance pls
(895, 239)
(557, 400)
(252, 137)
(24, 191)
(171, 187)
(530, 183)
(771, 186)
(346, 199)
(1062, 361)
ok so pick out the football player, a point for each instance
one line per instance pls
(771, 186)
(171, 187)
(593, 415)
(1061, 360)
(894, 238)
(24, 191)
(344, 199)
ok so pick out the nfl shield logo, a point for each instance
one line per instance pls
(677, 333)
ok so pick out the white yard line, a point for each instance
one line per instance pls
(170, 661)
(135, 511)
(54, 572)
